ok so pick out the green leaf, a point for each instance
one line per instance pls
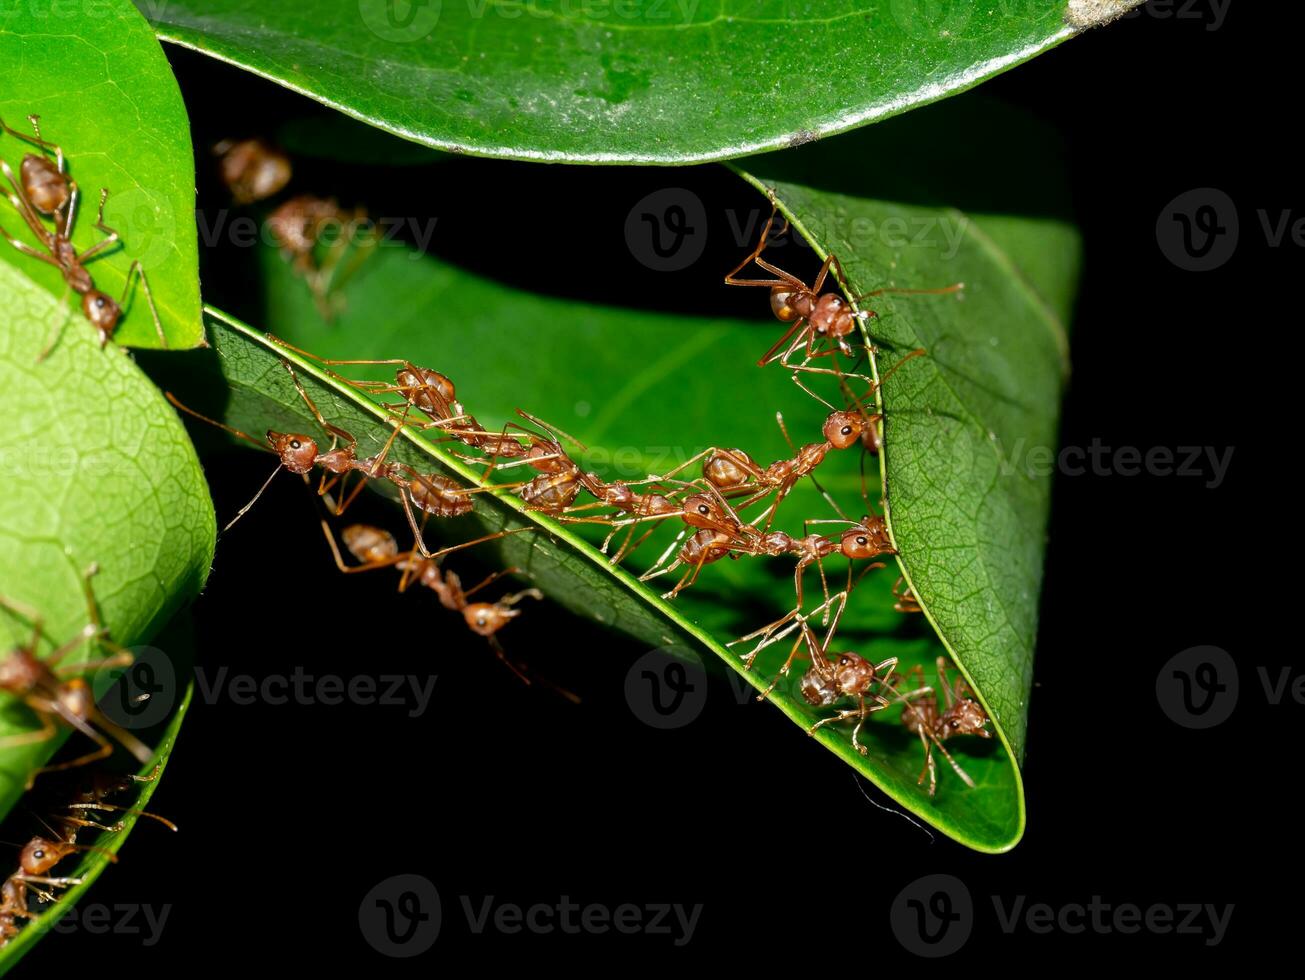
(730, 597)
(639, 396)
(967, 467)
(98, 470)
(647, 81)
(95, 862)
(98, 79)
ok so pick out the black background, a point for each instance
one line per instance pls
(290, 814)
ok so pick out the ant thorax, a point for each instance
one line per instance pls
(832, 317)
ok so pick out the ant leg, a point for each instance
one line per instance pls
(965, 777)
(29, 613)
(104, 750)
(28, 250)
(333, 430)
(788, 280)
(111, 237)
(481, 540)
(137, 268)
(491, 579)
(42, 734)
(126, 739)
(800, 324)
(36, 139)
(25, 210)
(783, 671)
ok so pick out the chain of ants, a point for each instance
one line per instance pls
(708, 507)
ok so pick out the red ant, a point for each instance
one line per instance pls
(90, 794)
(961, 715)
(56, 695)
(376, 548)
(35, 862)
(815, 317)
(45, 191)
(252, 169)
(300, 224)
(431, 393)
(833, 677)
(905, 596)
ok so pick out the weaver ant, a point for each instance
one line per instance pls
(46, 191)
(961, 715)
(252, 169)
(35, 862)
(56, 694)
(71, 806)
(431, 393)
(833, 677)
(376, 548)
(300, 224)
(815, 316)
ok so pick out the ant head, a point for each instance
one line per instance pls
(102, 311)
(297, 451)
(487, 618)
(703, 511)
(857, 543)
(965, 717)
(724, 472)
(843, 429)
(46, 187)
(853, 674)
(40, 855)
(368, 543)
(20, 672)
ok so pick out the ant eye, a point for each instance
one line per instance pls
(704, 509)
(38, 854)
(863, 540)
(847, 430)
(481, 620)
(295, 444)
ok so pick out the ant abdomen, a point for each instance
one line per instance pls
(784, 302)
(47, 188)
(440, 496)
(723, 471)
